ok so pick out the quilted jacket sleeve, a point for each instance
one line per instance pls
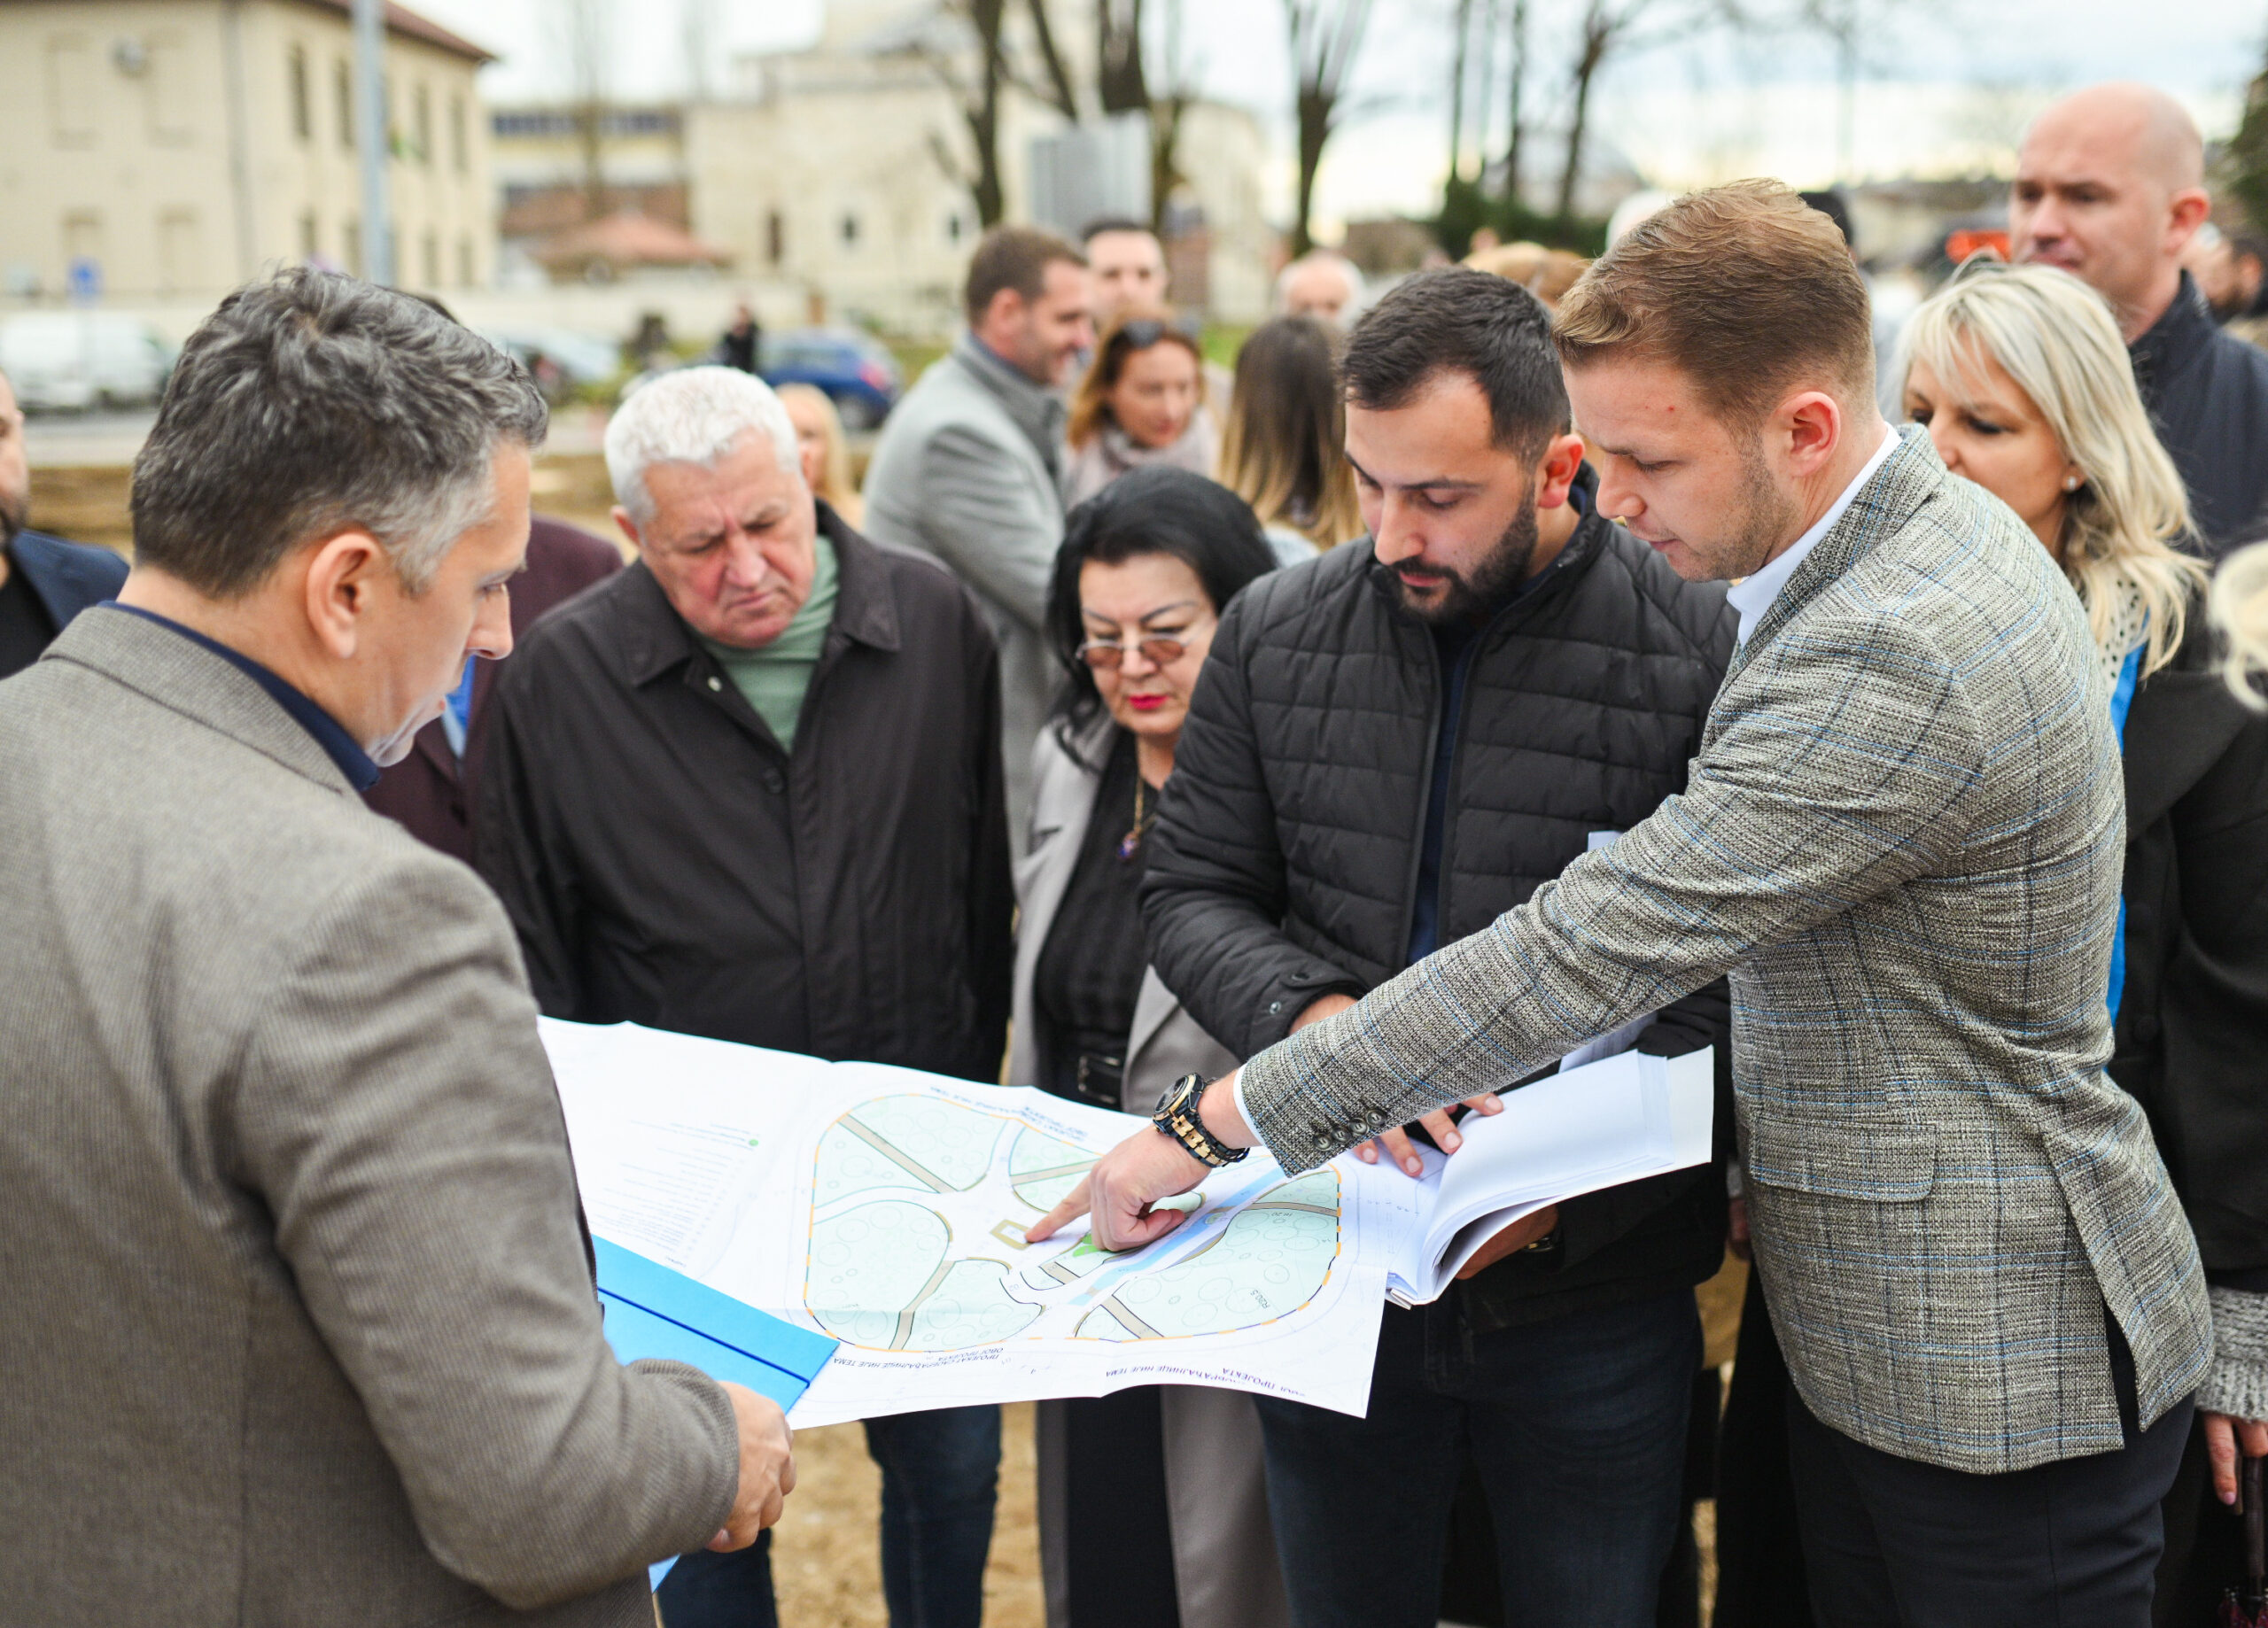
(1845, 765)
(1214, 893)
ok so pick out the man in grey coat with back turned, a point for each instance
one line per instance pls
(304, 1331)
(968, 467)
(1902, 837)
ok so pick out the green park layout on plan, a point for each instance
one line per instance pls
(918, 1207)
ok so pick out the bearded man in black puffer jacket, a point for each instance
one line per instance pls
(1388, 748)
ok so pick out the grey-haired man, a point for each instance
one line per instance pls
(304, 1328)
(750, 788)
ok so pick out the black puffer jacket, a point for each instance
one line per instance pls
(2207, 391)
(1285, 860)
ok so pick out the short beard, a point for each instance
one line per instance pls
(1472, 597)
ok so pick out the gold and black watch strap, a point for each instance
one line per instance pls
(1179, 1117)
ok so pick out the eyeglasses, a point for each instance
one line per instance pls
(1140, 334)
(1104, 654)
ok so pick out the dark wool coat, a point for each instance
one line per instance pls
(2208, 394)
(2193, 1021)
(1285, 860)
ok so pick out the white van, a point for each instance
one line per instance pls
(71, 361)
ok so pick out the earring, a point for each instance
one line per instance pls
(2070, 482)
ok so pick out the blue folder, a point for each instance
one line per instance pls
(653, 1312)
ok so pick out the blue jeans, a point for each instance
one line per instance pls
(1577, 1426)
(940, 1471)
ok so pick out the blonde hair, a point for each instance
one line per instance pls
(834, 483)
(1090, 401)
(2056, 338)
(1547, 274)
(2240, 608)
(1281, 450)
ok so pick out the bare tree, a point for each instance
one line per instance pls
(969, 57)
(1609, 28)
(1056, 90)
(1518, 110)
(1122, 77)
(1326, 35)
(1460, 33)
(589, 28)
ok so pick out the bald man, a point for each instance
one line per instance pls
(1320, 285)
(2110, 186)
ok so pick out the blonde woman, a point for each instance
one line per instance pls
(1283, 450)
(824, 452)
(2022, 380)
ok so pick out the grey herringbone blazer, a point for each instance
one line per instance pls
(299, 1328)
(1902, 839)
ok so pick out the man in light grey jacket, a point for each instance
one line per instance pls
(968, 467)
(304, 1331)
(1903, 839)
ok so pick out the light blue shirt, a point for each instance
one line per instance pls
(1752, 595)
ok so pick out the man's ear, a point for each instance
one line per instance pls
(2185, 215)
(1808, 427)
(1555, 474)
(628, 527)
(343, 573)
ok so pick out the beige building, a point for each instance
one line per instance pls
(180, 146)
(839, 169)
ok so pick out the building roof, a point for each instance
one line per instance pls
(623, 239)
(401, 20)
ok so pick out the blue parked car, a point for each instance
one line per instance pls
(856, 370)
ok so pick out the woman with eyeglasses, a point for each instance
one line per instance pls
(1154, 1508)
(1142, 403)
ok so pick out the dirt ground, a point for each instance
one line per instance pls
(826, 1564)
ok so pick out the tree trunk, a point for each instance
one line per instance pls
(984, 114)
(1598, 37)
(1518, 113)
(1456, 92)
(1120, 81)
(1060, 94)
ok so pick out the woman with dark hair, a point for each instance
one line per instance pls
(1153, 1504)
(1283, 450)
(1141, 405)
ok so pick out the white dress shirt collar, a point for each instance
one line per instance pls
(1752, 595)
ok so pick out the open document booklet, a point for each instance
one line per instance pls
(885, 1210)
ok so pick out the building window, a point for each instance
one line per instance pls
(71, 91)
(303, 119)
(953, 227)
(456, 134)
(165, 76)
(424, 105)
(775, 237)
(432, 260)
(350, 240)
(849, 231)
(464, 262)
(342, 84)
(181, 251)
(309, 244)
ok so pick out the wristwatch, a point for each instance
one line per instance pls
(1178, 1117)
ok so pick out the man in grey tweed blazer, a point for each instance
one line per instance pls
(1902, 839)
(302, 1329)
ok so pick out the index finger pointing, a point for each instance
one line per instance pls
(1073, 1206)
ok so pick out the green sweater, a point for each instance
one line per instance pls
(773, 679)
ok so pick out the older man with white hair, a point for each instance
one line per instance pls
(2110, 186)
(750, 789)
(1320, 285)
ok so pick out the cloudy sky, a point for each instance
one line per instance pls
(1945, 82)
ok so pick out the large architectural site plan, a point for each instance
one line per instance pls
(886, 1209)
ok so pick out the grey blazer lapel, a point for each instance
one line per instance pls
(186, 679)
(1908, 479)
